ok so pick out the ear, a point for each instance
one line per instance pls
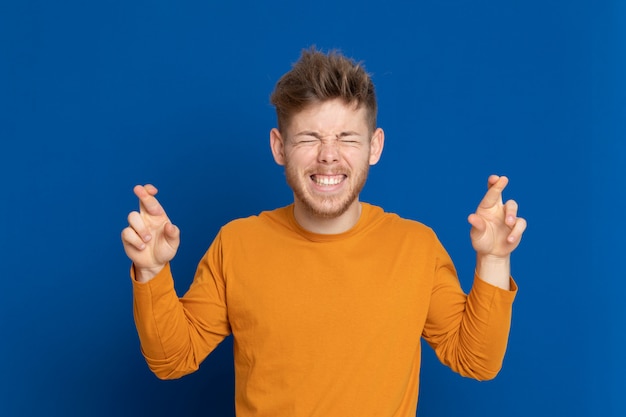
(376, 145)
(278, 146)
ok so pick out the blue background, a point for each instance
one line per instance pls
(96, 97)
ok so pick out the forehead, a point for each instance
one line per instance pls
(330, 117)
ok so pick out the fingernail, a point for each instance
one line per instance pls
(147, 238)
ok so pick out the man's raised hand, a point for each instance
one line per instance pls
(150, 240)
(496, 229)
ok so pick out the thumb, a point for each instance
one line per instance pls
(172, 234)
(478, 225)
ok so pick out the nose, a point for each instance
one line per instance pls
(329, 151)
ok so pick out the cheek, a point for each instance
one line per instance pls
(357, 157)
(300, 157)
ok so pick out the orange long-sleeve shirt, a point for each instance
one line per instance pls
(324, 325)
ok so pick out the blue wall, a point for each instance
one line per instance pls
(96, 97)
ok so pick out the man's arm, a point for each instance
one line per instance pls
(174, 339)
(470, 333)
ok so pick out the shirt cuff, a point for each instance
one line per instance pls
(161, 283)
(483, 286)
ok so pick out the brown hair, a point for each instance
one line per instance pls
(318, 77)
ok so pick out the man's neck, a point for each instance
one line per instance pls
(327, 225)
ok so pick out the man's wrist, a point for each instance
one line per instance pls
(143, 275)
(495, 270)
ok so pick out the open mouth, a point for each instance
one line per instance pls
(327, 180)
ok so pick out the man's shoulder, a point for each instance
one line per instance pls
(390, 220)
(258, 222)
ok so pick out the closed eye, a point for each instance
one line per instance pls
(307, 140)
(349, 137)
(310, 137)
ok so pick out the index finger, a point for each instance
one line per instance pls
(147, 200)
(494, 192)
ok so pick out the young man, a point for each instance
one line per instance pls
(327, 298)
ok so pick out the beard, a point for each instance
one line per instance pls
(321, 205)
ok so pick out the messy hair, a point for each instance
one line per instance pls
(317, 77)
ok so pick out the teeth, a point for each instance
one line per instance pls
(327, 180)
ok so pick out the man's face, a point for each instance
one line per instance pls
(327, 149)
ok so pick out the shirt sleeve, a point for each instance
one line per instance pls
(469, 333)
(177, 334)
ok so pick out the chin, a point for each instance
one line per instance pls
(328, 211)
